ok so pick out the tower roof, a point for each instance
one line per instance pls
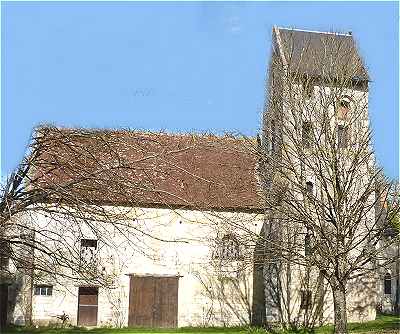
(320, 54)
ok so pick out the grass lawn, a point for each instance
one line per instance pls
(383, 324)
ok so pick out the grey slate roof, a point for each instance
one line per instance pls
(320, 54)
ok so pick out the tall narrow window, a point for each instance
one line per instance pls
(306, 298)
(308, 246)
(308, 89)
(387, 284)
(5, 251)
(309, 188)
(342, 135)
(307, 134)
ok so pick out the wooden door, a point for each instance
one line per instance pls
(3, 305)
(153, 301)
(87, 306)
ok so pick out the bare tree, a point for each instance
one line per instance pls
(74, 185)
(325, 198)
(327, 202)
(77, 186)
(71, 176)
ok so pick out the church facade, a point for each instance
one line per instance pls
(191, 262)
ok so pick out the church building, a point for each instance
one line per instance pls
(197, 203)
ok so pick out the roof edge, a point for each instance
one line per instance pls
(316, 31)
(135, 131)
(275, 29)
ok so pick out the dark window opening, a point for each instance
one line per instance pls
(43, 290)
(388, 284)
(306, 296)
(345, 104)
(342, 135)
(308, 246)
(89, 243)
(88, 250)
(343, 108)
(309, 188)
(308, 89)
(5, 251)
(307, 134)
(390, 232)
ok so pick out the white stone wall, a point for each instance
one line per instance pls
(170, 242)
(361, 297)
(388, 301)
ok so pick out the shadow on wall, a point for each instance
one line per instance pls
(299, 297)
(362, 298)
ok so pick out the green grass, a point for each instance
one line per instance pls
(382, 324)
(78, 330)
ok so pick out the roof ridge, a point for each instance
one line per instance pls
(316, 31)
(205, 134)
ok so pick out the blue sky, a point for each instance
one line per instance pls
(173, 66)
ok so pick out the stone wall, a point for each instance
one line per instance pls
(182, 243)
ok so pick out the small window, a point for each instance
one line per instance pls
(43, 290)
(227, 248)
(308, 89)
(388, 284)
(89, 243)
(342, 135)
(345, 104)
(5, 251)
(306, 296)
(390, 232)
(309, 188)
(343, 108)
(307, 134)
(307, 244)
(88, 250)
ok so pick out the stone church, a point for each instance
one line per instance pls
(197, 205)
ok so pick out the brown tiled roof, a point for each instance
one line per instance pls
(149, 169)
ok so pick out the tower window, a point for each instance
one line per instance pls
(307, 244)
(306, 297)
(306, 134)
(345, 104)
(308, 89)
(343, 108)
(309, 188)
(5, 251)
(387, 284)
(342, 135)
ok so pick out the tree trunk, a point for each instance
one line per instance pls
(339, 303)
